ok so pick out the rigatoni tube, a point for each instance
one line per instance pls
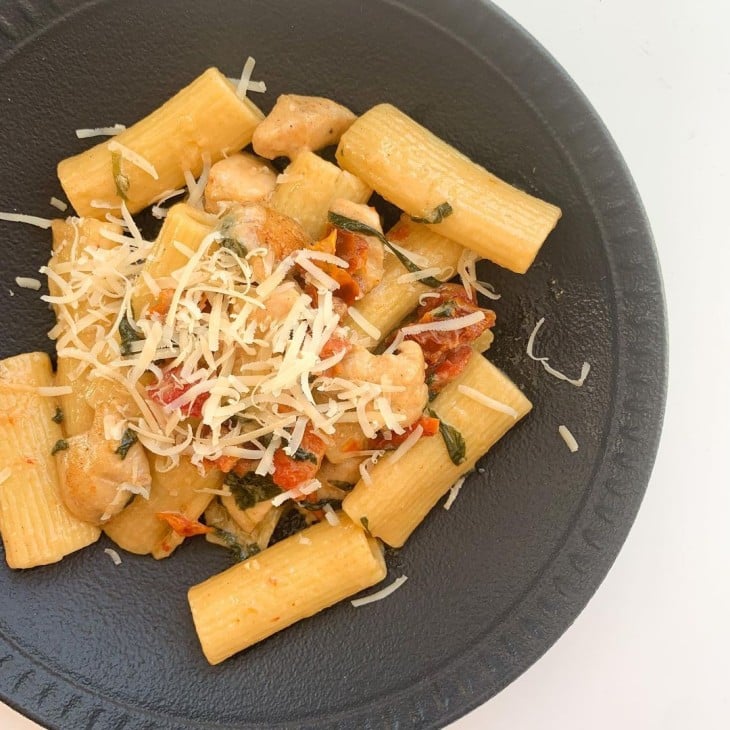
(310, 185)
(206, 118)
(283, 584)
(183, 225)
(391, 301)
(181, 489)
(36, 527)
(72, 239)
(411, 167)
(403, 492)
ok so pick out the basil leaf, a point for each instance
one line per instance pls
(344, 486)
(233, 245)
(313, 506)
(455, 444)
(60, 445)
(303, 455)
(129, 439)
(436, 215)
(240, 552)
(250, 489)
(445, 311)
(58, 415)
(353, 226)
(121, 181)
(290, 523)
(127, 335)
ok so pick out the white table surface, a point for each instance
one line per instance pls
(652, 649)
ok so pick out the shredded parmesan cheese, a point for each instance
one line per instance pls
(304, 540)
(53, 391)
(245, 81)
(454, 492)
(407, 445)
(5, 474)
(585, 369)
(136, 159)
(100, 131)
(32, 220)
(441, 325)
(114, 555)
(380, 595)
(569, 439)
(26, 282)
(422, 274)
(485, 400)
(59, 204)
(468, 274)
(330, 515)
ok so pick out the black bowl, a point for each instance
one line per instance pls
(493, 582)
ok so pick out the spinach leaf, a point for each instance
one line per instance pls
(129, 439)
(233, 245)
(313, 506)
(303, 455)
(344, 486)
(455, 444)
(127, 335)
(121, 181)
(240, 552)
(60, 445)
(445, 311)
(290, 523)
(353, 226)
(58, 415)
(436, 215)
(250, 489)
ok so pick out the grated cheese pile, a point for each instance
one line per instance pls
(251, 349)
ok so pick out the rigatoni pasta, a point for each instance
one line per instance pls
(269, 370)
(399, 494)
(204, 120)
(292, 580)
(308, 188)
(36, 527)
(419, 172)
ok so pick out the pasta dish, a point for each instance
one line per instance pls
(272, 371)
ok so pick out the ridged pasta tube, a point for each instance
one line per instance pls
(206, 118)
(283, 584)
(138, 529)
(403, 492)
(411, 167)
(311, 186)
(391, 301)
(36, 527)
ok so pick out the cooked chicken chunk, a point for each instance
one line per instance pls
(298, 123)
(240, 178)
(405, 371)
(253, 226)
(96, 480)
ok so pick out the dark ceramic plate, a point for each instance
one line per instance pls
(495, 581)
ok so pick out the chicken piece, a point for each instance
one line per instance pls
(347, 438)
(240, 178)
(337, 475)
(278, 305)
(299, 123)
(406, 369)
(96, 480)
(253, 226)
(366, 267)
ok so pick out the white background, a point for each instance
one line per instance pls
(652, 650)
